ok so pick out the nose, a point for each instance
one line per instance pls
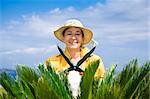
(73, 37)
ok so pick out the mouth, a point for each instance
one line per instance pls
(74, 42)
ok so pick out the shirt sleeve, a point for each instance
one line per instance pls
(100, 70)
(54, 62)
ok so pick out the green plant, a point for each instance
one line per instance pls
(131, 83)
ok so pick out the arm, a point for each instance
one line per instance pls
(100, 70)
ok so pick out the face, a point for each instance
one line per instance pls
(73, 38)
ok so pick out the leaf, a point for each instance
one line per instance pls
(109, 75)
(54, 82)
(3, 93)
(105, 84)
(87, 80)
(10, 85)
(142, 85)
(134, 81)
(27, 74)
(124, 76)
(26, 90)
(44, 91)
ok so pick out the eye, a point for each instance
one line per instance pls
(68, 33)
(78, 33)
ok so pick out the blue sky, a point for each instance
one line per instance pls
(121, 27)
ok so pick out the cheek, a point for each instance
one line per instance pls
(81, 39)
(65, 39)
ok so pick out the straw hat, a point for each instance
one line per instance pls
(74, 23)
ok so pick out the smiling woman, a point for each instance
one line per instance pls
(75, 36)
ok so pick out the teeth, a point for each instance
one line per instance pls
(73, 42)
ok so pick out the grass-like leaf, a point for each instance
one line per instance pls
(10, 85)
(105, 84)
(54, 82)
(132, 84)
(124, 76)
(87, 80)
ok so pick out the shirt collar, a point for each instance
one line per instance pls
(83, 51)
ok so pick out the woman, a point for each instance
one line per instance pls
(75, 36)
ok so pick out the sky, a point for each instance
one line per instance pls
(121, 28)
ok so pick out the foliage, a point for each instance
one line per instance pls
(131, 83)
(87, 79)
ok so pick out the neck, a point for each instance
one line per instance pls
(74, 53)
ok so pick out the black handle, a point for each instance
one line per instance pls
(72, 67)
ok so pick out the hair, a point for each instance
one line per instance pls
(63, 33)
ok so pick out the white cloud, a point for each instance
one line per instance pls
(56, 10)
(115, 18)
(32, 25)
(30, 50)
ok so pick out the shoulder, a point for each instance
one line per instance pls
(92, 56)
(95, 57)
(53, 60)
(54, 57)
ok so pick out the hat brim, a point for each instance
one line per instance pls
(87, 34)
